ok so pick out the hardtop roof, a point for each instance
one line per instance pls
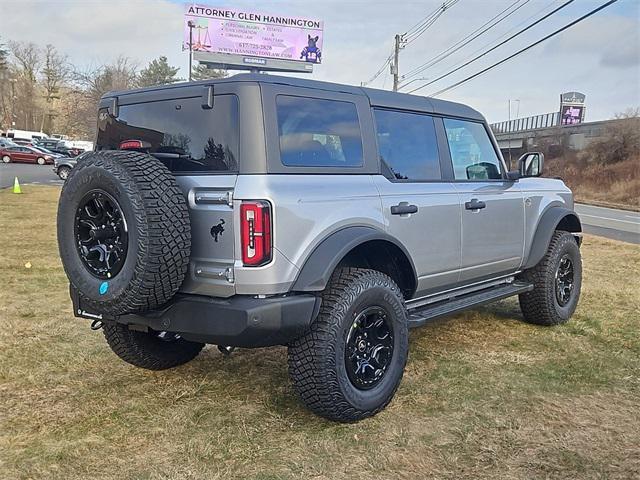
(377, 98)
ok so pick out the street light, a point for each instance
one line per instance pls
(191, 24)
(509, 128)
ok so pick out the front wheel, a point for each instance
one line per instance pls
(150, 350)
(63, 172)
(348, 366)
(557, 280)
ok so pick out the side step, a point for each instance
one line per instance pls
(422, 315)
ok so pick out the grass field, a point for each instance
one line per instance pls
(484, 395)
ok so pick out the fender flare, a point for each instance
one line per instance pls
(323, 260)
(548, 224)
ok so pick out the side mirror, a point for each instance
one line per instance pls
(530, 164)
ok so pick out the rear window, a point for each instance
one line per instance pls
(318, 133)
(183, 135)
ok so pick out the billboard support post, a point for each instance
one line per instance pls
(190, 24)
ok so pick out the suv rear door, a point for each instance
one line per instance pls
(420, 208)
(201, 147)
(492, 207)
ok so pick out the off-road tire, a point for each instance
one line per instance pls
(540, 306)
(316, 360)
(146, 349)
(158, 230)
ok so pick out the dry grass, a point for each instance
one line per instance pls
(614, 184)
(484, 395)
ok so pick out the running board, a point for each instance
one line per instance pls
(422, 315)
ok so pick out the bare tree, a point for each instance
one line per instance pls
(55, 72)
(121, 74)
(29, 58)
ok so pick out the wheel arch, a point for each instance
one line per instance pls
(364, 247)
(555, 218)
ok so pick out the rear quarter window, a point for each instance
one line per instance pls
(318, 132)
(183, 135)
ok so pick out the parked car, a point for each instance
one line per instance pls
(6, 143)
(261, 210)
(58, 146)
(22, 154)
(62, 166)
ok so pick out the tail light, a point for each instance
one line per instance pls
(134, 145)
(255, 232)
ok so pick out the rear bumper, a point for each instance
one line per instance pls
(239, 321)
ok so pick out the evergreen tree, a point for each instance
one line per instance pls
(201, 72)
(158, 72)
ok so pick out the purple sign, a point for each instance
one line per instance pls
(571, 115)
(245, 32)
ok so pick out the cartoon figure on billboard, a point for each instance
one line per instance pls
(311, 53)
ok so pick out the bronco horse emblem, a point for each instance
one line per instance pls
(217, 230)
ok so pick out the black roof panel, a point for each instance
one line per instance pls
(378, 98)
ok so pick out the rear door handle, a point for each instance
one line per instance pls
(474, 204)
(403, 208)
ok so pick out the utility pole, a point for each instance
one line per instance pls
(394, 66)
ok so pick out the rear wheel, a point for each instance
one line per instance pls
(41, 161)
(150, 350)
(348, 366)
(557, 280)
(6, 159)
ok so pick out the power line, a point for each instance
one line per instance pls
(413, 30)
(569, 25)
(488, 44)
(412, 34)
(410, 38)
(554, 11)
(379, 72)
(466, 40)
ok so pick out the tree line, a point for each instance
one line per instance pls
(41, 90)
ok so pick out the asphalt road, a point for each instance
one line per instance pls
(27, 173)
(606, 222)
(609, 222)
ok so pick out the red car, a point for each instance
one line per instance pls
(22, 154)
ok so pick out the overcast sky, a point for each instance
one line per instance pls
(599, 57)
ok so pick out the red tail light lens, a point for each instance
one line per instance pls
(134, 145)
(255, 232)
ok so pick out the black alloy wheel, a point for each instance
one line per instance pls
(564, 280)
(100, 231)
(369, 348)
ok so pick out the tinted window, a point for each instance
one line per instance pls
(318, 133)
(183, 135)
(472, 152)
(407, 144)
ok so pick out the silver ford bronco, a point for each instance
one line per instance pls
(259, 210)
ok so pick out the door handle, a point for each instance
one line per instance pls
(403, 208)
(474, 204)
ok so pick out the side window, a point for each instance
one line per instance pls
(408, 145)
(318, 133)
(472, 152)
(180, 133)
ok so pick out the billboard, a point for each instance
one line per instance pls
(572, 108)
(250, 33)
(571, 115)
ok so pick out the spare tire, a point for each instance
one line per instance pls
(123, 232)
